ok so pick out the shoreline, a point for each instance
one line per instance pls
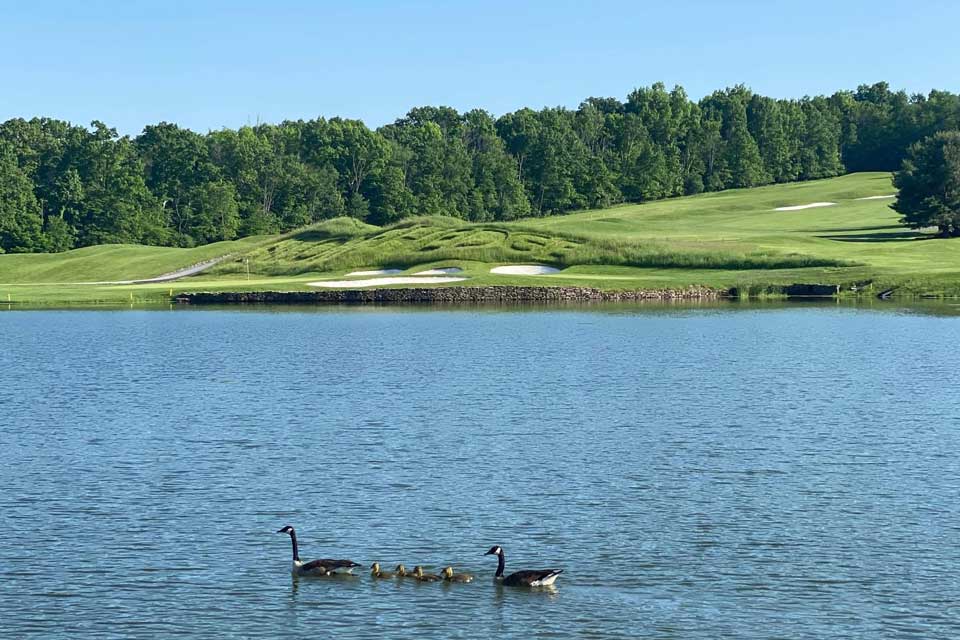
(452, 295)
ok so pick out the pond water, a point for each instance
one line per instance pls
(728, 471)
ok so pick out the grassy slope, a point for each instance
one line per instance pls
(866, 232)
(732, 238)
(110, 262)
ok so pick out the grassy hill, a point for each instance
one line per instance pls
(344, 244)
(110, 262)
(728, 239)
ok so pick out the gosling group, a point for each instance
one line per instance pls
(446, 574)
(329, 567)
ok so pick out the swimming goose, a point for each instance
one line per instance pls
(424, 577)
(450, 576)
(376, 573)
(528, 578)
(322, 567)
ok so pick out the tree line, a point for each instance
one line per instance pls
(64, 186)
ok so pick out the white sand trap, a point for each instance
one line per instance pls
(377, 272)
(442, 271)
(878, 197)
(524, 270)
(812, 205)
(380, 282)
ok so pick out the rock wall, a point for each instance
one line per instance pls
(449, 295)
(811, 290)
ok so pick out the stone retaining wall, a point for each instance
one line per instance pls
(449, 295)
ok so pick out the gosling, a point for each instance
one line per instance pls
(377, 573)
(402, 572)
(424, 577)
(450, 576)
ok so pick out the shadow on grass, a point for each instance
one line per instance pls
(898, 236)
(318, 236)
(841, 229)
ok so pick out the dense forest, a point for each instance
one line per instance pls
(65, 186)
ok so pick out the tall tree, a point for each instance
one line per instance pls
(20, 220)
(519, 131)
(214, 214)
(765, 121)
(118, 206)
(497, 191)
(929, 184)
(176, 162)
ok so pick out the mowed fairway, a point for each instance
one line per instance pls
(110, 262)
(861, 231)
(854, 230)
(728, 239)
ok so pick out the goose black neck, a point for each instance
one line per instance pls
(500, 564)
(296, 551)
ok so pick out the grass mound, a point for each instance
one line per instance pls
(339, 245)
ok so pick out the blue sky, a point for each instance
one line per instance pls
(214, 64)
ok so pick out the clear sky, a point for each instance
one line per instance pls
(212, 64)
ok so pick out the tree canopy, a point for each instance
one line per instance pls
(64, 186)
(929, 184)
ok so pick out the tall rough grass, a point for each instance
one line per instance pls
(343, 244)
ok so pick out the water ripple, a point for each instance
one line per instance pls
(697, 473)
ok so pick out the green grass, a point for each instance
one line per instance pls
(110, 262)
(329, 247)
(727, 239)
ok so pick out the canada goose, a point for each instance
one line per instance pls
(528, 578)
(322, 567)
(424, 577)
(376, 573)
(402, 572)
(450, 576)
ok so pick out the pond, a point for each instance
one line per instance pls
(697, 472)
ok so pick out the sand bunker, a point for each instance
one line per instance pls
(524, 270)
(381, 282)
(377, 272)
(442, 271)
(878, 197)
(812, 205)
